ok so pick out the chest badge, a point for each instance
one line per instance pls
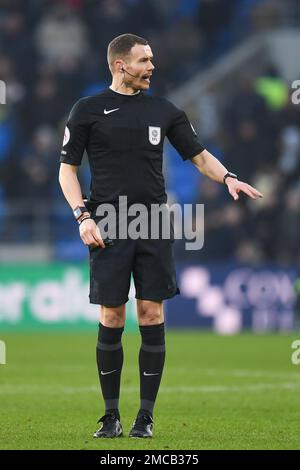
(154, 135)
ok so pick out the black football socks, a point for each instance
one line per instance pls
(151, 364)
(109, 353)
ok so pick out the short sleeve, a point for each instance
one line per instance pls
(76, 134)
(183, 136)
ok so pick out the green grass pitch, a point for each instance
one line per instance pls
(239, 392)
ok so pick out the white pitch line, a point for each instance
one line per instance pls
(47, 390)
(244, 373)
(199, 371)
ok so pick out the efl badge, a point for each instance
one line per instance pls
(154, 135)
(66, 136)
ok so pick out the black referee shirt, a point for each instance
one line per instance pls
(123, 136)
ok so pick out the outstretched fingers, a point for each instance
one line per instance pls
(251, 192)
(246, 189)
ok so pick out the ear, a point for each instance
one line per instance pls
(119, 65)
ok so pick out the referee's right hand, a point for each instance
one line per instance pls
(90, 234)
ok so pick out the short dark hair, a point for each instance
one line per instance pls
(122, 45)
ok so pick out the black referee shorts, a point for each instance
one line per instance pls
(150, 262)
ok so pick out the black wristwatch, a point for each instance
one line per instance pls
(79, 211)
(229, 175)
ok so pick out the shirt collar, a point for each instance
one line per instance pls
(125, 94)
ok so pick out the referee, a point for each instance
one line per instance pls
(123, 131)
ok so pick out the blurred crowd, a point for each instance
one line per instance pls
(259, 133)
(53, 52)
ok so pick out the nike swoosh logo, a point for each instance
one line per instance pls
(109, 372)
(145, 373)
(110, 110)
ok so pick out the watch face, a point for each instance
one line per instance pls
(77, 212)
(230, 175)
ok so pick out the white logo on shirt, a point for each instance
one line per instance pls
(110, 111)
(193, 129)
(154, 135)
(66, 136)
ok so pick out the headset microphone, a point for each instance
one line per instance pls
(134, 76)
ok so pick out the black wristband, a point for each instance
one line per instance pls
(84, 218)
(229, 175)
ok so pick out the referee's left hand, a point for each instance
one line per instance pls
(235, 187)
